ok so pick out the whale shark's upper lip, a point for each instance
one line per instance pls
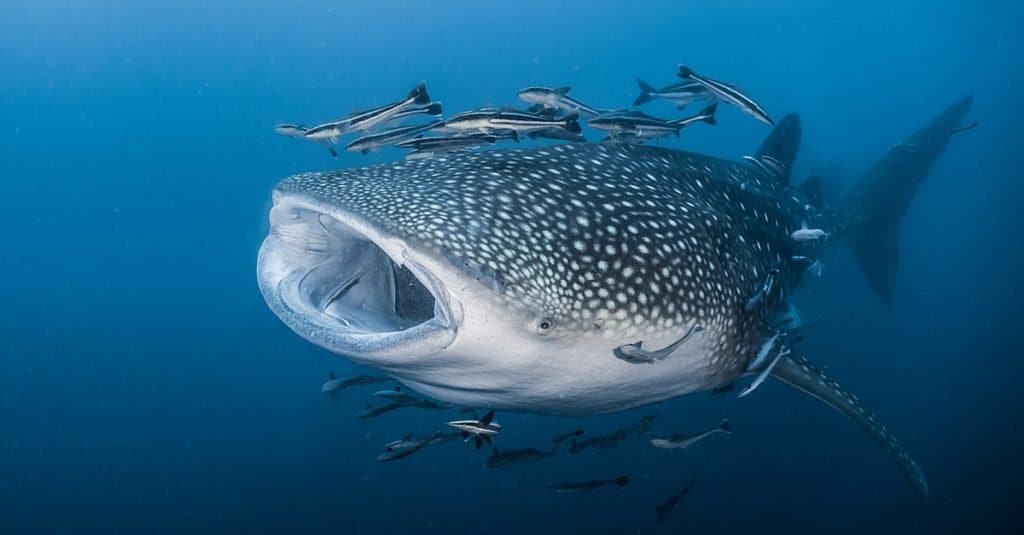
(343, 283)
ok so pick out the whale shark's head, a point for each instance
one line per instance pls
(506, 278)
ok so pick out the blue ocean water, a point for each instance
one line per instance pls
(145, 386)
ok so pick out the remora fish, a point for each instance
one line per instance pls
(519, 268)
(481, 430)
(495, 120)
(371, 142)
(678, 441)
(432, 109)
(681, 94)
(729, 93)
(397, 395)
(557, 133)
(364, 120)
(373, 412)
(432, 144)
(409, 445)
(500, 459)
(607, 441)
(557, 439)
(334, 384)
(635, 123)
(290, 130)
(525, 123)
(576, 486)
(661, 510)
(298, 131)
(556, 99)
(405, 447)
(639, 125)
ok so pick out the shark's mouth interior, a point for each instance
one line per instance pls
(329, 276)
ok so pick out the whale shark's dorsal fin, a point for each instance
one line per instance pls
(800, 373)
(782, 144)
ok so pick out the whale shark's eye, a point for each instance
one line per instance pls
(545, 325)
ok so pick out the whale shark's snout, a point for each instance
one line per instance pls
(343, 283)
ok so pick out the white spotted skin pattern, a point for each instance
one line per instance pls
(624, 242)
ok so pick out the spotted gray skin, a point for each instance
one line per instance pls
(581, 248)
(506, 279)
(607, 241)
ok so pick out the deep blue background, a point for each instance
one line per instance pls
(144, 386)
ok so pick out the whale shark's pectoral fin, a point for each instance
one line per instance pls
(800, 373)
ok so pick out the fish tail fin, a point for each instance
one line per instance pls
(572, 122)
(874, 206)
(783, 143)
(800, 373)
(645, 92)
(709, 113)
(434, 108)
(419, 94)
(622, 481)
(725, 426)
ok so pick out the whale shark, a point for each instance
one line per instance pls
(508, 279)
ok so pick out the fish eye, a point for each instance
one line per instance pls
(545, 325)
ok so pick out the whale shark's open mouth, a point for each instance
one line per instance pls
(345, 285)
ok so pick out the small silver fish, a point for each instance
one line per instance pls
(678, 441)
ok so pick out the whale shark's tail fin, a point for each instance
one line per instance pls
(874, 206)
(800, 373)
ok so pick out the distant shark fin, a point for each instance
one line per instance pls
(798, 372)
(875, 205)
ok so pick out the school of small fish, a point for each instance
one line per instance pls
(552, 114)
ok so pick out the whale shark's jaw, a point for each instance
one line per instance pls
(341, 284)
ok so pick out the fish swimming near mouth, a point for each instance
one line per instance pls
(507, 278)
(408, 445)
(678, 441)
(558, 439)
(604, 442)
(334, 383)
(578, 486)
(500, 459)
(665, 508)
